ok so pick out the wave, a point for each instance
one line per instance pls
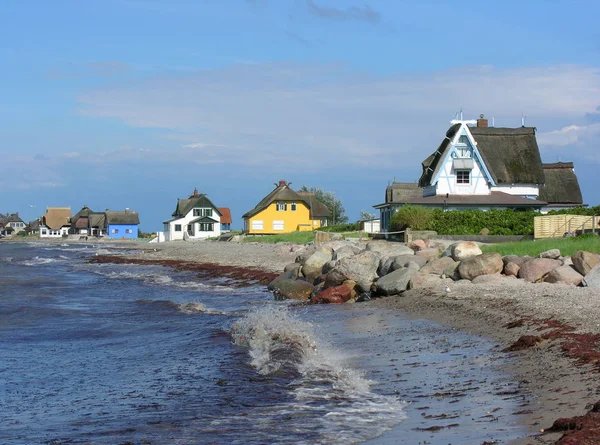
(37, 261)
(193, 307)
(337, 397)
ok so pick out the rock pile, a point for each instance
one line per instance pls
(349, 271)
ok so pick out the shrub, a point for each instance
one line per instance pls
(351, 227)
(413, 216)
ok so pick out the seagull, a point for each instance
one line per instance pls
(448, 290)
(32, 206)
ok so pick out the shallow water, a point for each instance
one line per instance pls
(106, 354)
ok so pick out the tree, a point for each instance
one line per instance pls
(332, 202)
(366, 216)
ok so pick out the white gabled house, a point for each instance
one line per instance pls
(194, 218)
(55, 223)
(482, 167)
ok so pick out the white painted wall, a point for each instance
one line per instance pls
(518, 189)
(447, 181)
(46, 232)
(172, 235)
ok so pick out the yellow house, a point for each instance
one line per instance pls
(284, 210)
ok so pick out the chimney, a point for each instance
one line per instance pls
(195, 192)
(282, 183)
(482, 122)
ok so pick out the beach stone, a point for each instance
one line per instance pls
(388, 248)
(464, 249)
(511, 269)
(451, 271)
(484, 264)
(437, 266)
(403, 260)
(536, 269)
(516, 259)
(435, 244)
(395, 282)
(421, 280)
(313, 265)
(361, 268)
(412, 265)
(584, 261)
(350, 284)
(294, 270)
(285, 288)
(346, 251)
(304, 253)
(592, 278)
(328, 266)
(429, 253)
(552, 254)
(564, 274)
(566, 261)
(484, 279)
(418, 244)
(333, 295)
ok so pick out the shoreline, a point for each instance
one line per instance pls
(557, 371)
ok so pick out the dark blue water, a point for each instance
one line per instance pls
(109, 354)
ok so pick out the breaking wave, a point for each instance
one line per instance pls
(37, 261)
(193, 307)
(323, 386)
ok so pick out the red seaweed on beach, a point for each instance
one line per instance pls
(237, 276)
(579, 430)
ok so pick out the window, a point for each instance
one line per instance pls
(178, 227)
(115, 231)
(44, 232)
(293, 207)
(463, 139)
(257, 225)
(278, 225)
(128, 231)
(206, 227)
(463, 176)
(203, 212)
(281, 206)
(197, 212)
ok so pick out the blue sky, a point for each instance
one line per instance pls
(134, 103)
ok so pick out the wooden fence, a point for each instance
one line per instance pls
(556, 226)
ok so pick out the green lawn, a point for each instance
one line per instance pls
(567, 246)
(293, 237)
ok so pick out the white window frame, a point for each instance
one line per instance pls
(258, 224)
(282, 206)
(278, 225)
(460, 179)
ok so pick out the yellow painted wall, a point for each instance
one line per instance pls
(298, 220)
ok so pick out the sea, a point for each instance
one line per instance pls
(142, 354)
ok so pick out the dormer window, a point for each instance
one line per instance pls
(281, 206)
(293, 206)
(463, 177)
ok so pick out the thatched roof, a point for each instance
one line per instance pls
(196, 200)
(511, 155)
(283, 192)
(402, 192)
(561, 185)
(57, 217)
(126, 217)
(97, 220)
(13, 217)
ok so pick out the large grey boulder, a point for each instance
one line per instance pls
(553, 254)
(304, 253)
(345, 251)
(361, 268)
(388, 248)
(313, 265)
(516, 259)
(484, 264)
(403, 260)
(430, 253)
(592, 278)
(421, 280)
(564, 274)
(536, 269)
(451, 271)
(464, 249)
(437, 266)
(293, 270)
(395, 282)
(584, 261)
(285, 288)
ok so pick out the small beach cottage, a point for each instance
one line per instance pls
(225, 219)
(194, 218)
(122, 225)
(13, 224)
(56, 222)
(284, 210)
(479, 167)
(561, 189)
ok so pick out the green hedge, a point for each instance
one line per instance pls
(589, 211)
(352, 227)
(464, 222)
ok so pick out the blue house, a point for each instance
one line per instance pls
(122, 225)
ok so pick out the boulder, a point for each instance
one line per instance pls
(435, 244)
(429, 253)
(328, 266)
(511, 269)
(564, 274)
(584, 261)
(451, 271)
(284, 288)
(395, 282)
(566, 261)
(418, 244)
(294, 269)
(421, 280)
(464, 249)
(361, 268)
(313, 265)
(592, 278)
(336, 294)
(388, 248)
(353, 288)
(553, 254)
(484, 264)
(345, 251)
(437, 266)
(518, 260)
(403, 260)
(304, 253)
(412, 265)
(536, 269)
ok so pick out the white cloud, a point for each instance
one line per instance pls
(323, 115)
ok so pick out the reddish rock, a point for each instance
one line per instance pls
(418, 244)
(511, 269)
(334, 295)
(428, 253)
(535, 270)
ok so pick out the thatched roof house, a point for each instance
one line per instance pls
(561, 188)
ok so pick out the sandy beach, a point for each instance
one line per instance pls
(552, 330)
